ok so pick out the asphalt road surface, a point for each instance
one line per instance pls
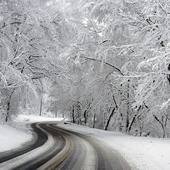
(54, 148)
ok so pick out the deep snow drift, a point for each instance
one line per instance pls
(141, 153)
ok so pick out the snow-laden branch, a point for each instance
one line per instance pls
(98, 60)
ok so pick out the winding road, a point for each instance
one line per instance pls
(54, 148)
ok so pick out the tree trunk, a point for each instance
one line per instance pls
(163, 128)
(128, 107)
(8, 105)
(109, 119)
(73, 118)
(79, 114)
(85, 116)
(7, 112)
(131, 123)
(94, 120)
(86, 113)
(41, 102)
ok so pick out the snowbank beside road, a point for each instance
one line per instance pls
(11, 138)
(141, 153)
(14, 136)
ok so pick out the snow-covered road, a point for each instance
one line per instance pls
(141, 153)
(65, 150)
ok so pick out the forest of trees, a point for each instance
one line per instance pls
(100, 63)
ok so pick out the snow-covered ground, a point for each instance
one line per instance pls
(11, 138)
(15, 136)
(140, 152)
(34, 118)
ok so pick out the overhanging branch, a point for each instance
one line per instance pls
(98, 60)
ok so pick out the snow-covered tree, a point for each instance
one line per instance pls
(28, 41)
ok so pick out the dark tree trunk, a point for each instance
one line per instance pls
(168, 76)
(94, 120)
(7, 111)
(128, 106)
(8, 105)
(133, 119)
(85, 116)
(79, 114)
(73, 118)
(163, 128)
(131, 123)
(109, 119)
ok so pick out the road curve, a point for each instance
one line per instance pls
(61, 149)
(90, 154)
(39, 139)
